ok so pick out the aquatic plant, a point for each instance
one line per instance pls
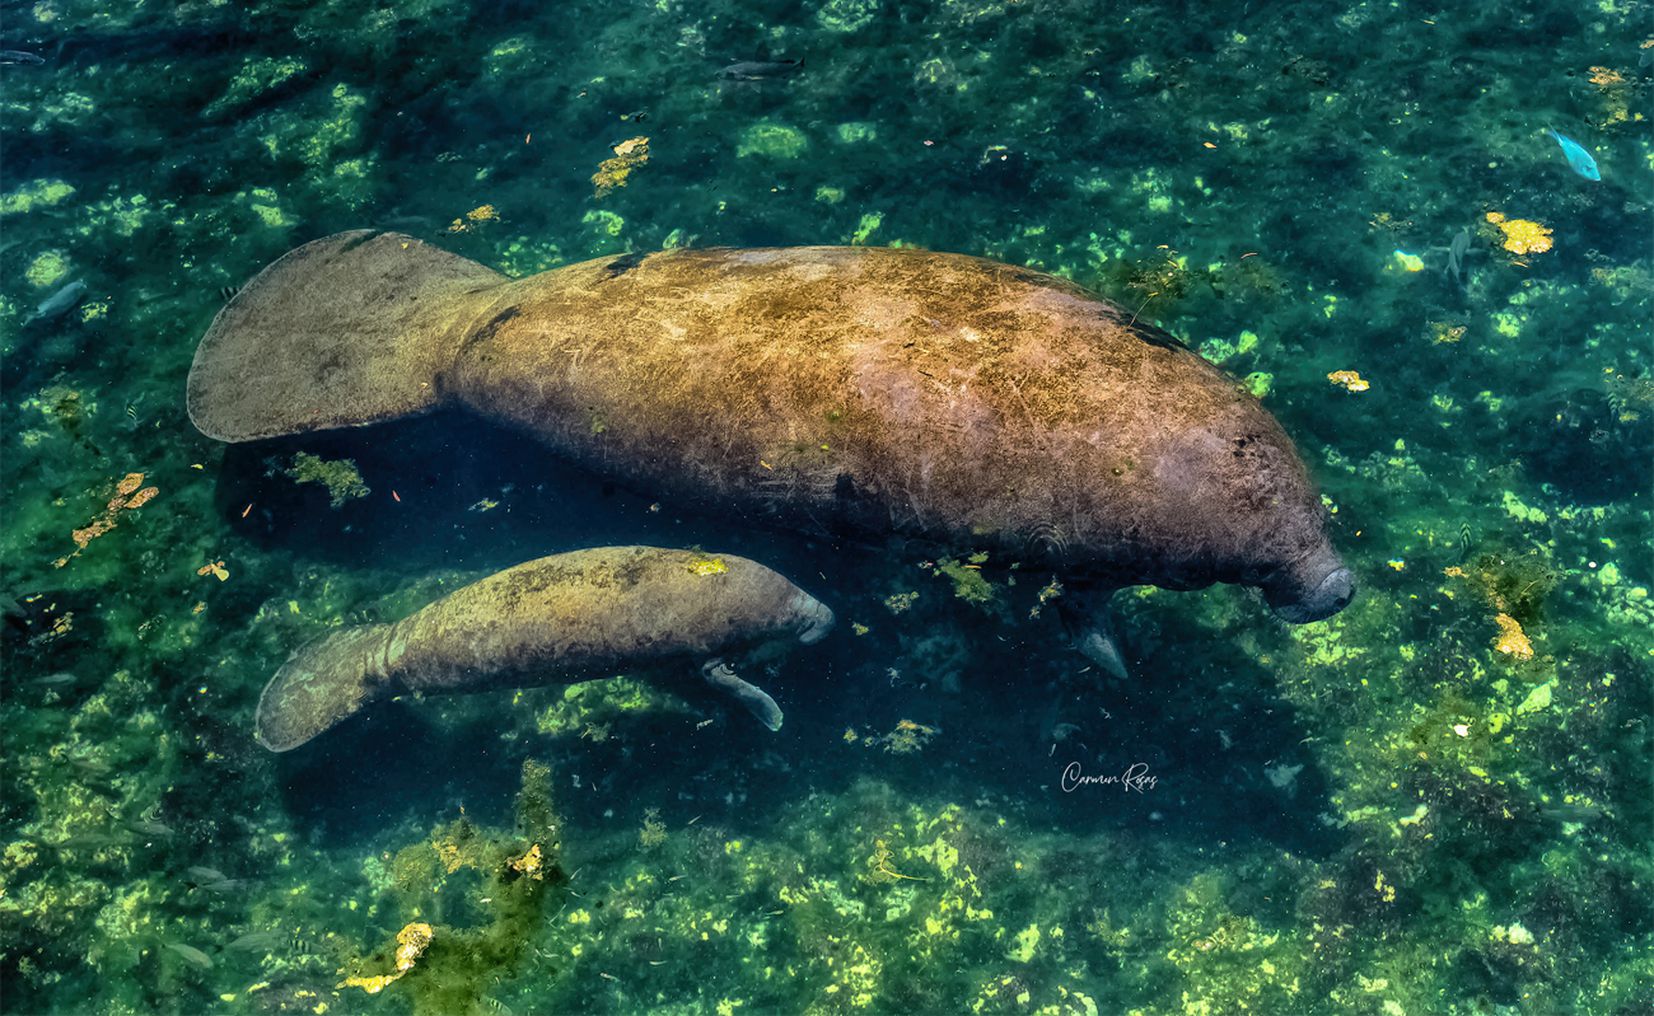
(446, 967)
(614, 172)
(969, 584)
(339, 476)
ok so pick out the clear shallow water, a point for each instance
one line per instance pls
(1415, 807)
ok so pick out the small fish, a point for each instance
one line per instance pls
(17, 56)
(1578, 814)
(256, 941)
(1455, 255)
(760, 70)
(193, 956)
(1579, 160)
(88, 841)
(59, 303)
(227, 293)
(95, 768)
(198, 873)
(148, 825)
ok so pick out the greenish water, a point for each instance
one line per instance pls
(1438, 801)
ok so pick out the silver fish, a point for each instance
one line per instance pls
(256, 941)
(1455, 254)
(193, 956)
(145, 826)
(17, 56)
(761, 70)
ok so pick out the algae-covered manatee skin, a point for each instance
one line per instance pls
(840, 389)
(571, 617)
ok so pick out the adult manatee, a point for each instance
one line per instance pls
(562, 619)
(821, 388)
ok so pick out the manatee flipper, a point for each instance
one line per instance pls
(344, 331)
(1090, 626)
(721, 676)
(326, 681)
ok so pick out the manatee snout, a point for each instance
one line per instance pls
(1314, 591)
(815, 619)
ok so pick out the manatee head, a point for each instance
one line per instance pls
(1236, 504)
(749, 606)
(812, 618)
(1313, 588)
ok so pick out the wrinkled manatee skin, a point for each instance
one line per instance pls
(877, 391)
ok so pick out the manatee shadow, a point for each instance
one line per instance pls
(1227, 753)
(452, 490)
(388, 764)
(1195, 713)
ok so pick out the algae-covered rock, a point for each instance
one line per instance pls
(772, 141)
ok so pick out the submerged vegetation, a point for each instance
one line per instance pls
(1435, 802)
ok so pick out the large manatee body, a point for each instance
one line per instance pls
(828, 389)
(571, 617)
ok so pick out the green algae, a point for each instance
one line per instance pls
(339, 477)
(516, 874)
(257, 77)
(969, 584)
(39, 193)
(772, 141)
(47, 268)
(591, 709)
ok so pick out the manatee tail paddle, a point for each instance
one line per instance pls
(345, 331)
(327, 681)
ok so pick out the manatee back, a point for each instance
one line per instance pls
(592, 613)
(861, 390)
(344, 331)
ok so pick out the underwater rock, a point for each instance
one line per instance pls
(866, 391)
(572, 617)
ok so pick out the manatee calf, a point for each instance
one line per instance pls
(834, 390)
(562, 619)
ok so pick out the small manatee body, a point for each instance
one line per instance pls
(580, 616)
(838, 391)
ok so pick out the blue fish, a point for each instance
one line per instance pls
(1579, 160)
